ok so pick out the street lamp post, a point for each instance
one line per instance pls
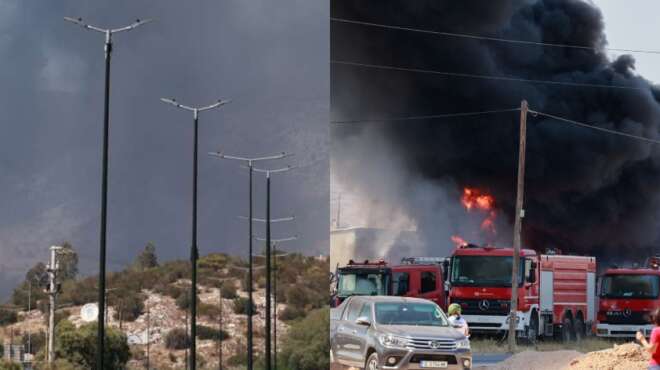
(250, 162)
(194, 252)
(274, 243)
(104, 177)
(268, 354)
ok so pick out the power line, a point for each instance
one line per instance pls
(484, 77)
(488, 38)
(585, 125)
(447, 115)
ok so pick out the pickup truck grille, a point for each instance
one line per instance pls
(451, 360)
(432, 344)
(496, 307)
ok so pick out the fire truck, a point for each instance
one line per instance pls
(627, 297)
(420, 277)
(362, 278)
(556, 293)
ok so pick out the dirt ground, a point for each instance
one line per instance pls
(535, 360)
(628, 356)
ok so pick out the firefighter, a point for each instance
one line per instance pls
(456, 320)
(653, 347)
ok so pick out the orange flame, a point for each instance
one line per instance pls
(458, 241)
(475, 199)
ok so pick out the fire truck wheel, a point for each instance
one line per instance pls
(372, 362)
(579, 329)
(566, 330)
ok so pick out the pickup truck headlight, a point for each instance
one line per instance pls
(392, 341)
(463, 344)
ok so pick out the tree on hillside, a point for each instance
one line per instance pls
(68, 260)
(78, 347)
(38, 275)
(37, 279)
(147, 258)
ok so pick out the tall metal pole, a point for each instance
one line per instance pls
(100, 338)
(148, 337)
(268, 271)
(275, 311)
(104, 177)
(220, 336)
(29, 309)
(52, 293)
(187, 338)
(250, 162)
(194, 251)
(513, 322)
(193, 257)
(250, 303)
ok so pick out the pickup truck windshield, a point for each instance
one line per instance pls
(405, 313)
(630, 286)
(362, 283)
(483, 270)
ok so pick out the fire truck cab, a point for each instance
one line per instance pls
(628, 296)
(419, 277)
(555, 292)
(362, 278)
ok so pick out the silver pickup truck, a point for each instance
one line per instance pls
(383, 332)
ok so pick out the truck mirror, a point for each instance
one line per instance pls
(363, 320)
(532, 275)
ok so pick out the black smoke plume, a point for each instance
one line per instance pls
(586, 191)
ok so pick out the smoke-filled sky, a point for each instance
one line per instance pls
(586, 192)
(270, 58)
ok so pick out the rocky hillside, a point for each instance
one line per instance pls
(148, 303)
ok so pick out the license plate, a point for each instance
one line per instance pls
(433, 364)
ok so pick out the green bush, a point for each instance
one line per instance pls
(291, 313)
(177, 339)
(307, 345)
(130, 307)
(78, 346)
(228, 290)
(209, 333)
(37, 341)
(183, 302)
(237, 360)
(7, 317)
(241, 306)
(208, 310)
(6, 365)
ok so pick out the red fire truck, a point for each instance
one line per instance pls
(628, 296)
(415, 277)
(362, 278)
(556, 293)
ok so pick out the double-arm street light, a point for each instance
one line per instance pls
(268, 354)
(250, 162)
(104, 180)
(194, 252)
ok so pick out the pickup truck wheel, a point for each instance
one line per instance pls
(566, 330)
(579, 330)
(372, 362)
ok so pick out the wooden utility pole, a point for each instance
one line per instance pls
(513, 318)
